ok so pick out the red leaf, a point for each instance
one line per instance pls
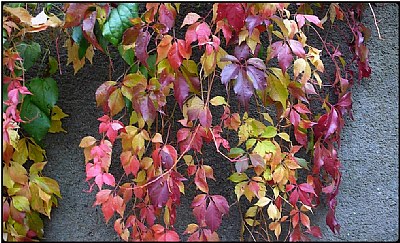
(199, 208)
(233, 12)
(6, 211)
(213, 217)
(203, 32)
(190, 18)
(226, 30)
(147, 109)
(191, 35)
(181, 88)
(174, 57)
(295, 219)
(75, 13)
(102, 94)
(108, 210)
(305, 220)
(315, 231)
(168, 156)
(332, 122)
(332, 222)
(221, 203)
(142, 42)
(169, 235)
(205, 117)
(167, 17)
(296, 234)
(294, 197)
(198, 200)
(185, 50)
(304, 198)
(200, 180)
(301, 108)
(282, 51)
(109, 179)
(88, 28)
(305, 187)
(158, 192)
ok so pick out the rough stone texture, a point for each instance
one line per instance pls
(368, 201)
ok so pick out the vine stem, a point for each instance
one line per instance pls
(376, 24)
(175, 163)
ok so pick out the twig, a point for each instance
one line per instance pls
(376, 24)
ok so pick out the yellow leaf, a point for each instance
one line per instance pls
(116, 102)
(157, 138)
(284, 136)
(89, 54)
(57, 113)
(268, 118)
(20, 13)
(208, 62)
(36, 153)
(243, 35)
(273, 212)
(55, 126)
(21, 154)
(252, 222)
(221, 53)
(251, 212)
(299, 66)
(316, 76)
(87, 142)
(218, 100)
(253, 40)
(263, 201)
(44, 196)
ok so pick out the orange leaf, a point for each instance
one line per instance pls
(116, 102)
(163, 48)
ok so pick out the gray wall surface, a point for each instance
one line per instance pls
(368, 203)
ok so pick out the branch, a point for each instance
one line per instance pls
(376, 24)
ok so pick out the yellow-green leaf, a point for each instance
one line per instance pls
(116, 102)
(284, 136)
(218, 100)
(21, 203)
(57, 113)
(21, 154)
(55, 126)
(251, 212)
(36, 153)
(263, 201)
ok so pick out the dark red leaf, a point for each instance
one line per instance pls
(332, 122)
(213, 217)
(305, 187)
(158, 192)
(169, 235)
(181, 88)
(243, 88)
(332, 222)
(315, 231)
(295, 219)
(294, 197)
(233, 12)
(142, 42)
(242, 52)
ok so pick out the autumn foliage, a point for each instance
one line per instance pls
(284, 118)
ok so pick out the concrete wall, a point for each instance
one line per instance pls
(368, 201)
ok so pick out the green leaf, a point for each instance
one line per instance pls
(128, 55)
(302, 162)
(235, 152)
(119, 21)
(238, 177)
(269, 132)
(4, 95)
(38, 122)
(29, 53)
(45, 93)
(21, 203)
(53, 65)
(277, 90)
(77, 36)
(264, 147)
(35, 223)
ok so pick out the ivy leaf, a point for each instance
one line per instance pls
(229, 72)
(213, 217)
(181, 89)
(116, 102)
(44, 93)
(282, 51)
(167, 17)
(242, 51)
(242, 164)
(163, 48)
(243, 88)
(158, 192)
(297, 48)
(88, 25)
(200, 180)
(39, 123)
(277, 90)
(233, 12)
(253, 21)
(203, 33)
(257, 77)
(142, 42)
(29, 53)
(168, 156)
(119, 21)
(190, 18)
(174, 57)
(21, 203)
(75, 13)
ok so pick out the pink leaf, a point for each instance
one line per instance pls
(181, 89)
(297, 48)
(109, 179)
(190, 18)
(142, 42)
(221, 203)
(213, 217)
(166, 17)
(203, 32)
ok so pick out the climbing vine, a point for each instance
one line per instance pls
(277, 126)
